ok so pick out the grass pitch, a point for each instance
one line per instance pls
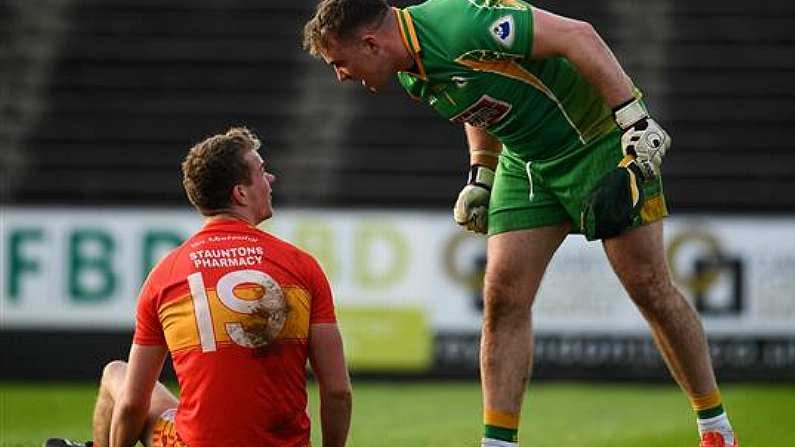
(448, 414)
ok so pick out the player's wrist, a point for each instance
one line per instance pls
(484, 157)
(482, 176)
(630, 113)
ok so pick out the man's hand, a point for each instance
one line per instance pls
(472, 207)
(643, 138)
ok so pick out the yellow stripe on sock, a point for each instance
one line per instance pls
(706, 401)
(500, 419)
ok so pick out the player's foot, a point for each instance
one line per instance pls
(61, 442)
(715, 439)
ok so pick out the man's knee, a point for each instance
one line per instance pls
(653, 292)
(504, 304)
(113, 374)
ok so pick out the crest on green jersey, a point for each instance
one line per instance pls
(500, 4)
(502, 30)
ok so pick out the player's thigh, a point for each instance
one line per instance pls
(160, 430)
(517, 261)
(638, 257)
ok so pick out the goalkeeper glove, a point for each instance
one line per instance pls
(472, 207)
(614, 203)
(642, 137)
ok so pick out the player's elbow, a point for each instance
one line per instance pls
(132, 404)
(583, 33)
(132, 409)
(582, 42)
(340, 395)
(573, 39)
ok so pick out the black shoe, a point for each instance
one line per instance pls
(60, 442)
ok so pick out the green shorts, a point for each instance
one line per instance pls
(538, 193)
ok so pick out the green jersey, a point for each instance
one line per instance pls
(473, 65)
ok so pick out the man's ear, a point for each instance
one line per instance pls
(238, 195)
(370, 43)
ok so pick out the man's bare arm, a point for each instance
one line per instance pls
(328, 364)
(484, 148)
(578, 41)
(132, 408)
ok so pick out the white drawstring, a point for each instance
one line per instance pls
(529, 178)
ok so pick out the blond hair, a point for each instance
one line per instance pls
(341, 20)
(213, 167)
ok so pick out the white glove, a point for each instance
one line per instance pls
(643, 138)
(472, 207)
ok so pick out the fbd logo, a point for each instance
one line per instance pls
(502, 31)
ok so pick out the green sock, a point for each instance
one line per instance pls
(710, 412)
(501, 433)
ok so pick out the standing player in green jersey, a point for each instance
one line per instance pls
(544, 102)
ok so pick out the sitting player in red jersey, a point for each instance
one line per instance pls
(240, 312)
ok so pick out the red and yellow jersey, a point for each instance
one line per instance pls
(199, 302)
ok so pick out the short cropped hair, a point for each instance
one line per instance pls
(340, 19)
(213, 167)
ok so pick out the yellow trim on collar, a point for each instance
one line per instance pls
(410, 40)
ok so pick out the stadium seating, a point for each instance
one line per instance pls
(106, 96)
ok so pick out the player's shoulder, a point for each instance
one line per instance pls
(276, 246)
(464, 10)
(432, 11)
(162, 274)
(166, 264)
(471, 25)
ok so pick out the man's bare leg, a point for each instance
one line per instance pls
(109, 391)
(109, 384)
(516, 263)
(638, 258)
